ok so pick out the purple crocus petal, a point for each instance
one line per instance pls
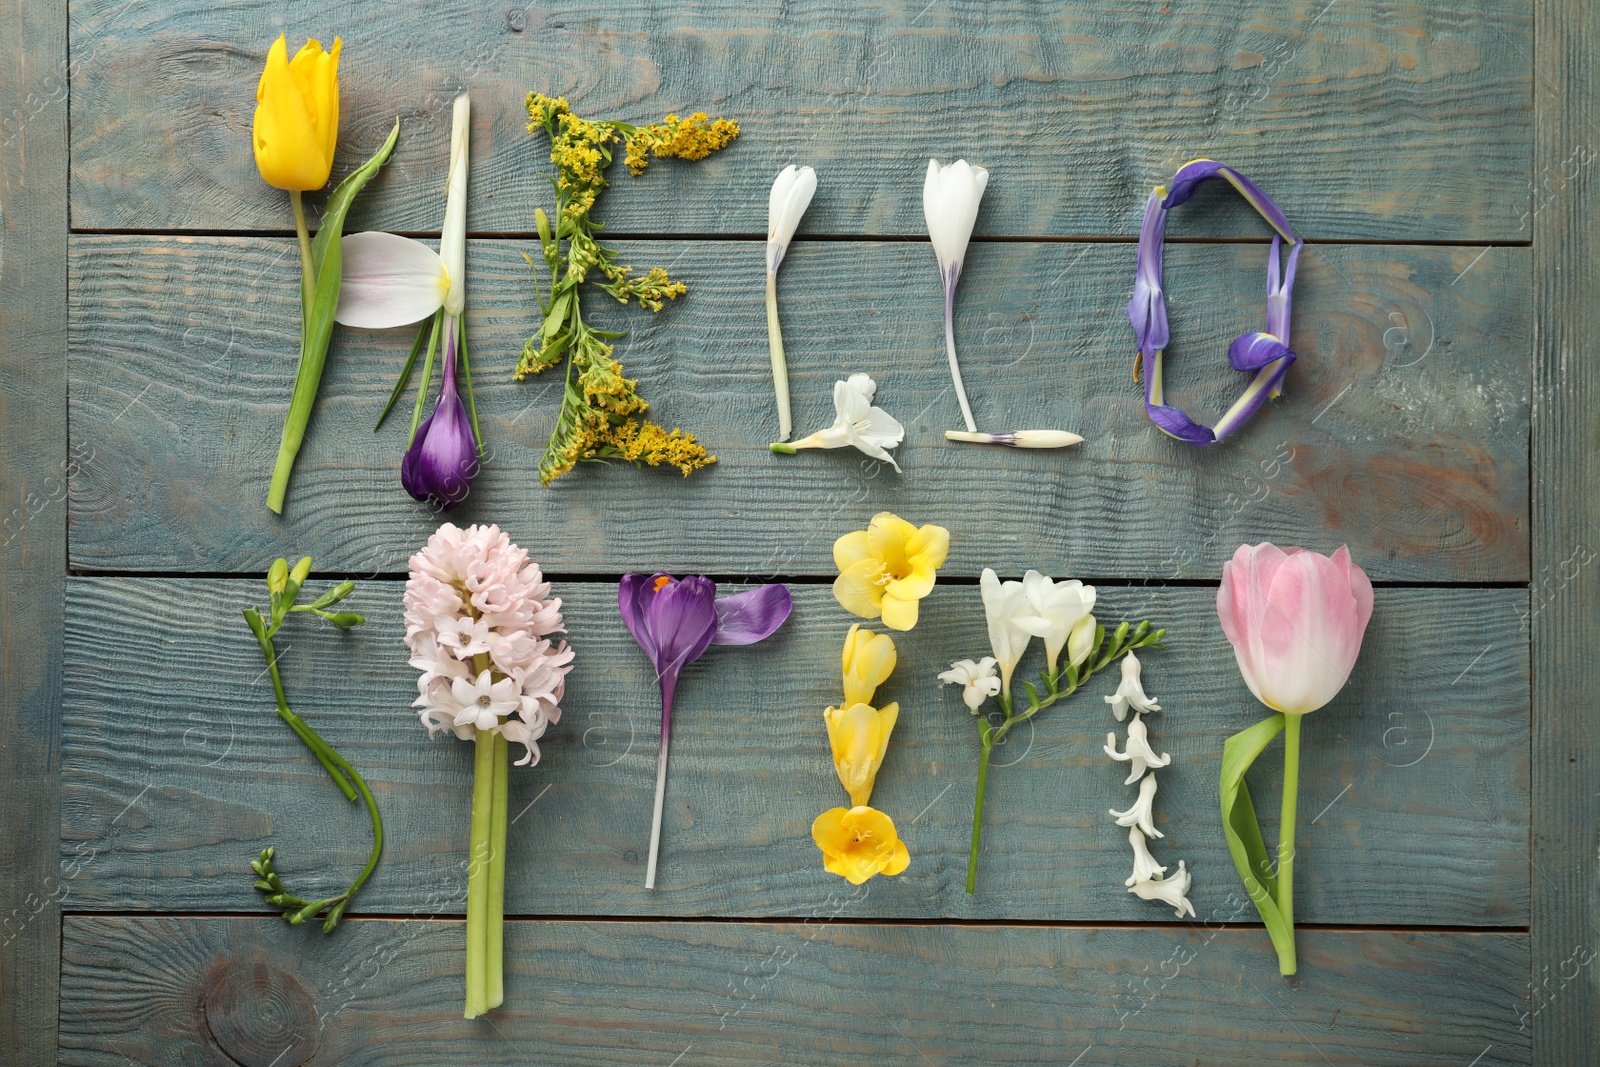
(1147, 310)
(1252, 351)
(443, 460)
(1188, 179)
(1174, 423)
(747, 617)
(681, 618)
(633, 599)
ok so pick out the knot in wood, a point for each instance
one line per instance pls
(258, 1015)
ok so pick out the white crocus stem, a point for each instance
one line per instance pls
(791, 195)
(453, 238)
(1145, 866)
(950, 198)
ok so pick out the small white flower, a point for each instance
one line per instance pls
(466, 637)
(1056, 607)
(1138, 754)
(1003, 604)
(857, 423)
(1173, 891)
(1145, 866)
(978, 680)
(1081, 641)
(1130, 694)
(791, 195)
(483, 702)
(1142, 814)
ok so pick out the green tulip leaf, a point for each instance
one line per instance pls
(1243, 832)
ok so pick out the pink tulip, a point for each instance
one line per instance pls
(1295, 619)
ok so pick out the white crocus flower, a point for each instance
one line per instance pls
(1145, 866)
(977, 680)
(1138, 754)
(1142, 814)
(950, 198)
(1056, 608)
(1003, 605)
(856, 423)
(1130, 694)
(791, 195)
(1173, 891)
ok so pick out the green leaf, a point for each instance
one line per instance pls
(466, 372)
(1033, 694)
(557, 317)
(405, 373)
(427, 377)
(1243, 832)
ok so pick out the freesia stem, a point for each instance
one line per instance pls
(319, 748)
(987, 739)
(661, 792)
(780, 368)
(950, 346)
(1286, 835)
(478, 876)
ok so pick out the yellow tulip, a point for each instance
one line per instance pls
(887, 568)
(297, 115)
(858, 843)
(869, 659)
(859, 737)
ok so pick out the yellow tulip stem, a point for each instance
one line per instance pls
(308, 274)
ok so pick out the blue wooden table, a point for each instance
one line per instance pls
(1439, 159)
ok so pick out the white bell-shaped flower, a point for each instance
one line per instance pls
(857, 423)
(1145, 866)
(1130, 694)
(977, 680)
(1173, 891)
(1142, 814)
(1138, 754)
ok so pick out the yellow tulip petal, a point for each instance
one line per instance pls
(887, 536)
(931, 543)
(857, 589)
(851, 548)
(899, 613)
(291, 133)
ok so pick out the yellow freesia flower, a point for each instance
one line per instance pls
(859, 737)
(869, 659)
(858, 843)
(297, 115)
(887, 568)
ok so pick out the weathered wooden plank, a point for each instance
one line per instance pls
(1564, 984)
(187, 990)
(176, 771)
(1386, 119)
(34, 467)
(1402, 431)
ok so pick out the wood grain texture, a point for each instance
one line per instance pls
(34, 468)
(616, 993)
(173, 779)
(1383, 119)
(1403, 430)
(1564, 984)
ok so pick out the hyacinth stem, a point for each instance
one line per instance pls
(1286, 828)
(950, 346)
(478, 878)
(661, 790)
(494, 983)
(780, 368)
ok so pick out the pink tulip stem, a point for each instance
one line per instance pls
(1286, 827)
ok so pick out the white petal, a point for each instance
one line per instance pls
(881, 428)
(453, 238)
(863, 384)
(389, 280)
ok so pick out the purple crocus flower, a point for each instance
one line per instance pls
(443, 459)
(675, 621)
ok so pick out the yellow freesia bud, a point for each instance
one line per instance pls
(301, 571)
(859, 736)
(297, 115)
(858, 843)
(869, 659)
(278, 575)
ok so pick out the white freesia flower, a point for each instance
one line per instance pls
(1173, 891)
(857, 423)
(1056, 607)
(978, 680)
(1003, 604)
(1142, 814)
(791, 195)
(1130, 694)
(950, 198)
(1138, 754)
(1145, 866)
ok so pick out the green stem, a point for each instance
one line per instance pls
(1286, 835)
(307, 373)
(780, 369)
(308, 273)
(478, 876)
(377, 822)
(986, 738)
(319, 748)
(427, 378)
(405, 374)
(466, 373)
(495, 984)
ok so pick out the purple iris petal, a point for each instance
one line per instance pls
(1279, 292)
(1175, 423)
(1147, 311)
(747, 617)
(443, 460)
(1252, 351)
(1190, 175)
(1188, 179)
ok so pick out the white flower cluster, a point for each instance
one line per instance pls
(1147, 880)
(479, 616)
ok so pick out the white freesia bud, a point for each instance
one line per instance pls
(1145, 866)
(856, 423)
(978, 681)
(791, 195)
(453, 238)
(1003, 604)
(1142, 814)
(1130, 694)
(1081, 641)
(1173, 891)
(950, 198)
(1139, 756)
(1056, 607)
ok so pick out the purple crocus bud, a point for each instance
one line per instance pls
(443, 460)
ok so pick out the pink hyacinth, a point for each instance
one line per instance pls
(479, 620)
(1296, 620)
